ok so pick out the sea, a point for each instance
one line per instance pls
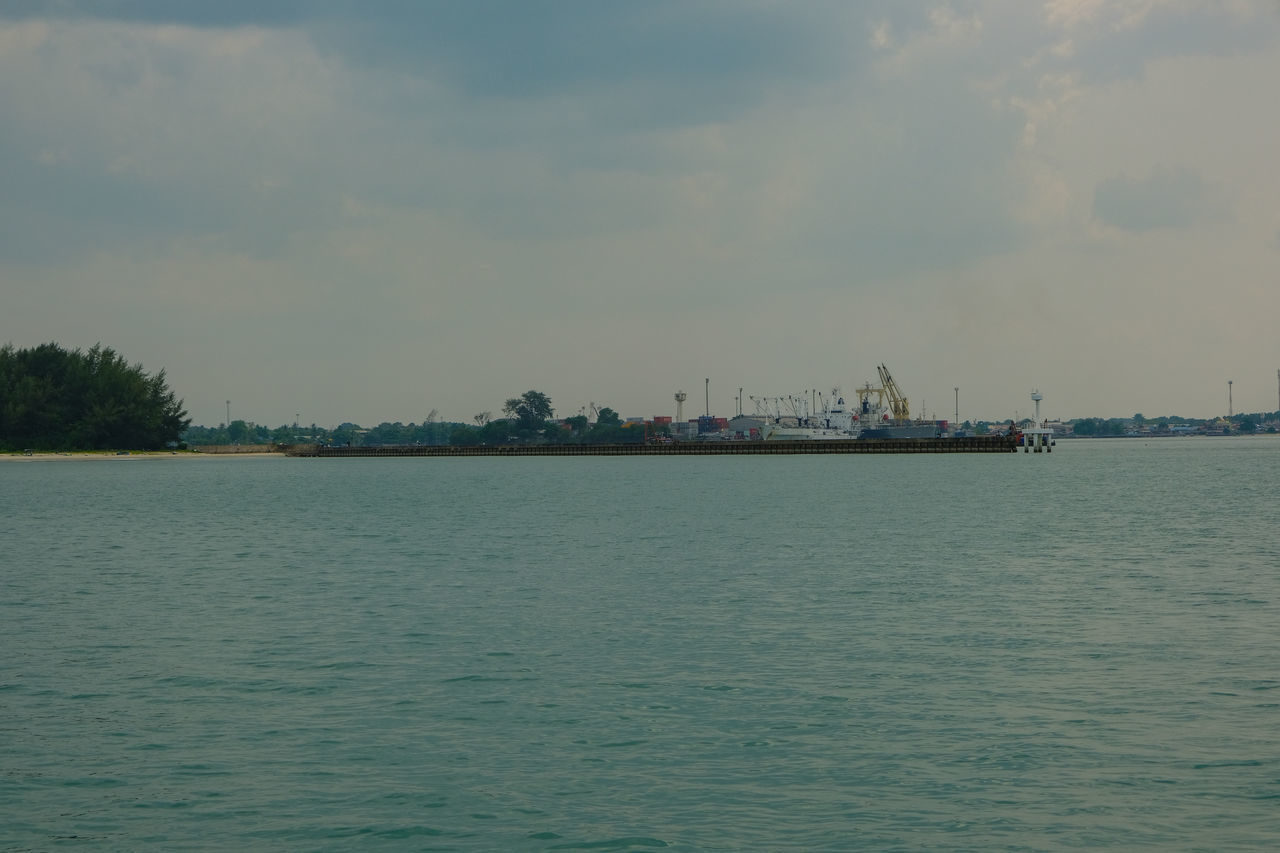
(1075, 650)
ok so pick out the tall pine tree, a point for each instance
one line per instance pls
(57, 399)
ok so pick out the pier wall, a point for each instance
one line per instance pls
(970, 444)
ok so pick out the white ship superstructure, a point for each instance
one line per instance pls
(834, 421)
(881, 411)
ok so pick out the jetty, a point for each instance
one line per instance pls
(965, 444)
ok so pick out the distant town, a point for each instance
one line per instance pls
(871, 411)
(56, 399)
(603, 425)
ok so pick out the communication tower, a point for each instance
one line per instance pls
(1230, 407)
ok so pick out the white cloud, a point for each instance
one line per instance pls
(882, 35)
(774, 205)
(1103, 14)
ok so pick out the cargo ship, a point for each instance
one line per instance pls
(880, 412)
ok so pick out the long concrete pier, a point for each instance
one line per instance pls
(969, 444)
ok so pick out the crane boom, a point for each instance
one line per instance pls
(898, 405)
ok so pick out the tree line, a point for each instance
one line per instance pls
(528, 421)
(52, 398)
(247, 432)
(1102, 427)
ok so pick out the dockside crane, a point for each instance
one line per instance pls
(899, 408)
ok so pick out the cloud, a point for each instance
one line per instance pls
(1165, 198)
(526, 183)
(243, 128)
(121, 135)
(707, 57)
(229, 13)
(1119, 39)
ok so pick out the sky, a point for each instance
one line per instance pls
(344, 210)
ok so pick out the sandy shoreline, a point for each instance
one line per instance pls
(131, 456)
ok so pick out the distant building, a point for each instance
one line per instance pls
(744, 426)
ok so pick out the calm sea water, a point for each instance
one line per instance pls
(1078, 650)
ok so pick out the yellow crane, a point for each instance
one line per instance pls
(898, 406)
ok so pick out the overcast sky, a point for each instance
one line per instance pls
(365, 211)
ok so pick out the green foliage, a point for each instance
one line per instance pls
(55, 399)
(430, 432)
(528, 423)
(616, 433)
(1098, 426)
(239, 432)
(247, 432)
(531, 410)
(1084, 426)
(493, 432)
(347, 435)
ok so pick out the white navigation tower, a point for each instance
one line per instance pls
(680, 398)
(1039, 436)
